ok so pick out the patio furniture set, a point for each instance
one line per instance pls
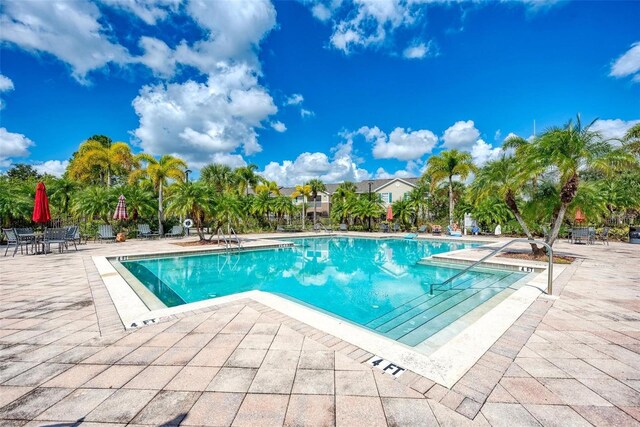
(27, 239)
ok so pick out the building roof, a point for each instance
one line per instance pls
(361, 187)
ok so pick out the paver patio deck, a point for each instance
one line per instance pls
(65, 357)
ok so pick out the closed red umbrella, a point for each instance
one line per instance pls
(580, 217)
(41, 212)
(121, 209)
(389, 213)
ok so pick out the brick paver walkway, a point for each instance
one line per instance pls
(64, 358)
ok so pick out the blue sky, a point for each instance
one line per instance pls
(335, 90)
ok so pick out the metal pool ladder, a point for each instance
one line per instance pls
(497, 251)
(228, 239)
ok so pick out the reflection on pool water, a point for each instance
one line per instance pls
(375, 283)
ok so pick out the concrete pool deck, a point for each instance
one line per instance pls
(65, 356)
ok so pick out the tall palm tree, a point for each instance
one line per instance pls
(447, 165)
(193, 200)
(220, 176)
(247, 177)
(343, 200)
(159, 172)
(113, 158)
(316, 186)
(261, 205)
(305, 192)
(570, 149)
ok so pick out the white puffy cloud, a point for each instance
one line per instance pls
(342, 166)
(52, 167)
(235, 31)
(67, 29)
(199, 120)
(483, 152)
(399, 144)
(321, 12)
(158, 56)
(6, 84)
(367, 22)
(294, 99)
(278, 126)
(460, 136)
(628, 64)
(613, 128)
(150, 11)
(416, 51)
(12, 145)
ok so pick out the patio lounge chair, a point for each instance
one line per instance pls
(395, 228)
(453, 233)
(105, 232)
(145, 231)
(422, 229)
(54, 235)
(436, 229)
(384, 228)
(176, 231)
(343, 227)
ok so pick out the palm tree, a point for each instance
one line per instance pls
(220, 176)
(140, 201)
(261, 205)
(305, 192)
(270, 187)
(447, 165)
(632, 139)
(61, 192)
(113, 158)
(193, 200)
(570, 149)
(419, 198)
(403, 211)
(343, 200)
(228, 210)
(364, 207)
(316, 186)
(247, 177)
(159, 172)
(282, 205)
(94, 202)
(503, 178)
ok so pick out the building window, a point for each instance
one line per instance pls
(386, 197)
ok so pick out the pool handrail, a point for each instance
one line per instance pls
(497, 251)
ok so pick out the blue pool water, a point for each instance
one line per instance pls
(375, 283)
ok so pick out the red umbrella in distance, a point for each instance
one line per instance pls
(41, 213)
(389, 213)
(121, 209)
(580, 217)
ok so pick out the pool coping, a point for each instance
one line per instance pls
(445, 366)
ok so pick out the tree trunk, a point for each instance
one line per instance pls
(160, 211)
(451, 207)
(510, 200)
(315, 196)
(108, 176)
(556, 226)
(304, 198)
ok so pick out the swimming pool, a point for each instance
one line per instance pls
(374, 283)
